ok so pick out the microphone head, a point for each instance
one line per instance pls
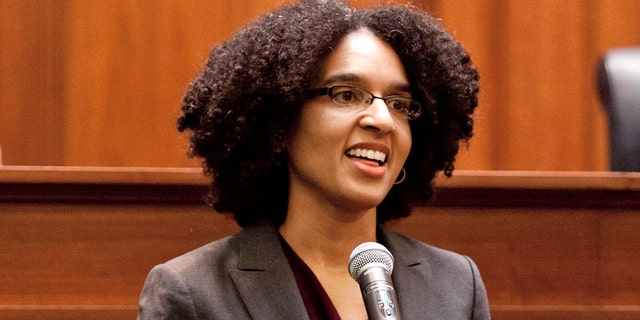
(368, 254)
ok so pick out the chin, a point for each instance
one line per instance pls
(363, 201)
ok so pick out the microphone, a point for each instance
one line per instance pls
(371, 265)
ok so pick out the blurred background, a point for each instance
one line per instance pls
(99, 83)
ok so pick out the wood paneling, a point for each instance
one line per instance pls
(538, 108)
(129, 63)
(89, 83)
(31, 105)
(80, 241)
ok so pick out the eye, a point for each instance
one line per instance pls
(399, 104)
(347, 95)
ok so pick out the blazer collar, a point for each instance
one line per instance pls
(268, 288)
(409, 271)
(264, 278)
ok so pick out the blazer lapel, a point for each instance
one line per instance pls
(409, 271)
(264, 278)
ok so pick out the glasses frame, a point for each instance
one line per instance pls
(328, 91)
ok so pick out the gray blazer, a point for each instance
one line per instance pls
(247, 276)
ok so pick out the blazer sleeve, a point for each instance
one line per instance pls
(165, 296)
(480, 301)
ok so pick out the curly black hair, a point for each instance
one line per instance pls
(241, 107)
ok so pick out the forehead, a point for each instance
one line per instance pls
(363, 58)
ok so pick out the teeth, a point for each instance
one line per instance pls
(369, 154)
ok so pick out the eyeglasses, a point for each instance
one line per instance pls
(356, 97)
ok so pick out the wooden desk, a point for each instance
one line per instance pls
(77, 243)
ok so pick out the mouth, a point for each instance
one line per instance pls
(368, 154)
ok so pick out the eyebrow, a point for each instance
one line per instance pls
(351, 77)
(342, 77)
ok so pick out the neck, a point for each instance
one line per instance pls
(325, 235)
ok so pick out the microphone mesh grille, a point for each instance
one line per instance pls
(367, 253)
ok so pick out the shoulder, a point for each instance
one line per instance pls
(449, 280)
(232, 252)
(442, 264)
(179, 287)
(416, 251)
(205, 257)
(199, 281)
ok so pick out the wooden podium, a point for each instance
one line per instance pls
(77, 243)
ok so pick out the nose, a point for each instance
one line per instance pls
(378, 116)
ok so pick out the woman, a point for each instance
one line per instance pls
(318, 123)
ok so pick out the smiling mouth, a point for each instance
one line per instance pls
(368, 154)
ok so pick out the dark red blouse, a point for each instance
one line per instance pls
(316, 300)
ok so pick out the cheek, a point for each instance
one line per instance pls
(312, 131)
(319, 123)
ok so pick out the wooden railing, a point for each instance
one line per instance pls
(79, 242)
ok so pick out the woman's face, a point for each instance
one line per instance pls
(331, 146)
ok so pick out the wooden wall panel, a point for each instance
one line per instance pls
(31, 118)
(129, 63)
(80, 255)
(538, 108)
(100, 83)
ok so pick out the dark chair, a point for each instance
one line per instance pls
(619, 90)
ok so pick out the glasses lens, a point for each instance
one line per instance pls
(350, 96)
(399, 104)
(346, 95)
(405, 106)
